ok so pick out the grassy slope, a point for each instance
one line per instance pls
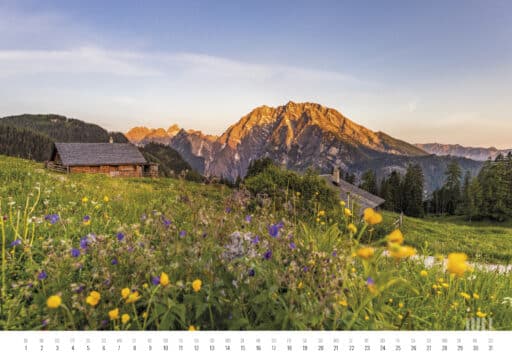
(484, 240)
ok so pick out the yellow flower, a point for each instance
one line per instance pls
(87, 221)
(396, 237)
(347, 212)
(133, 297)
(465, 296)
(400, 305)
(423, 273)
(366, 318)
(352, 228)
(145, 315)
(85, 199)
(196, 285)
(401, 252)
(321, 213)
(106, 199)
(476, 296)
(353, 270)
(93, 298)
(457, 264)
(164, 279)
(54, 302)
(365, 253)
(317, 219)
(480, 314)
(297, 193)
(145, 285)
(125, 293)
(191, 328)
(113, 314)
(342, 203)
(125, 318)
(372, 217)
(445, 285)
(300, 285)
(343, 303)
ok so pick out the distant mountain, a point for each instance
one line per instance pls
(474, 153)
(298, 136)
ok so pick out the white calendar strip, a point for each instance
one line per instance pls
(223, 345)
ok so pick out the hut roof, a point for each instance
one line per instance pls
(349, 192)
(97, 154)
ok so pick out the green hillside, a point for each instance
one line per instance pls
(90, 252)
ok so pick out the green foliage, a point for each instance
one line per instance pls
(413, 191)
(25, 143)
(369, 182)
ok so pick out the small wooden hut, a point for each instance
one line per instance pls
(114, 159)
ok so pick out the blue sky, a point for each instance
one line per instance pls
(435, 71)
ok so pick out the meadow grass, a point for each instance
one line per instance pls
(90, 252)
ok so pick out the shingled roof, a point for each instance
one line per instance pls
(97, 154)
(349, 192)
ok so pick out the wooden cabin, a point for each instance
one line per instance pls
(113, 159)
(352, 194)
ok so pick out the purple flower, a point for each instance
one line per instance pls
(42, 275)
(44, 323)
(251, 272)
(205, 235)
(86, 218)
(16, 243)
(166, 222)
(75, 253)
(114, 261)
(52, 218)
(273, 230)
(255, 240)
(79, 289)
(84, 242)
(370, 281)
(228, 210)
(267, 255)
(248, 218)
(305, 269)
(334, 253)
(183, 233)
(155, 280)
(292, 245)
(104, 323)
(120, 236)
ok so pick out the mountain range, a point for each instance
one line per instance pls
(298, 136)
(474, 153)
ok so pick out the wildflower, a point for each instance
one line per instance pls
(125, 292)
(84, 242)
(113, 314)
(145, 315)
(321, 213)
(297, 194)
(476, 296)
(248, 218)
(365, 253)
(255, 240)
(191, 328)
(87, 220)
(342, 203)
(145, 285)
(125, 318)
(343, 303)
(267, 255)
(423, 273)
(120, 236)
(85, 200)
(106, 199)
(401, 252)
(54, 302)
(52, 218)
(396, 237)
(164, 279)
(196, 285)
(133, 297)
(347, 212)
(465, 295)
(400, 305)
(42, 275)
(183, 233)
(155, 280)
(228, 210)
(371, 217)
(480, 314)
(251, 272)
(292, 245)
(114, 261)
(445, 285)
(16, 243)
(75, 253)
(166, 222)
(273, 230)
(352, 228)
(400, 317)
(370, 283)
(93, 298)
(457, 264)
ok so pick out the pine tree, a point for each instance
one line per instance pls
(452, 187)
(369, 182)
(413, 185)
(473, 207)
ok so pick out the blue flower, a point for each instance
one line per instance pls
(248, 218)
(42, 275)
(120, 236)
(16, 243)
(273, 230)
(166, 222)
(305, 269)
(183, 233)
(334, 253)
(267, 255)
(255, 240)
(251, 272)
(292, 245)
(155, 280)
(52, 218)
(370, 281)
(75, 253)
(84, 242)
(114, 261)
